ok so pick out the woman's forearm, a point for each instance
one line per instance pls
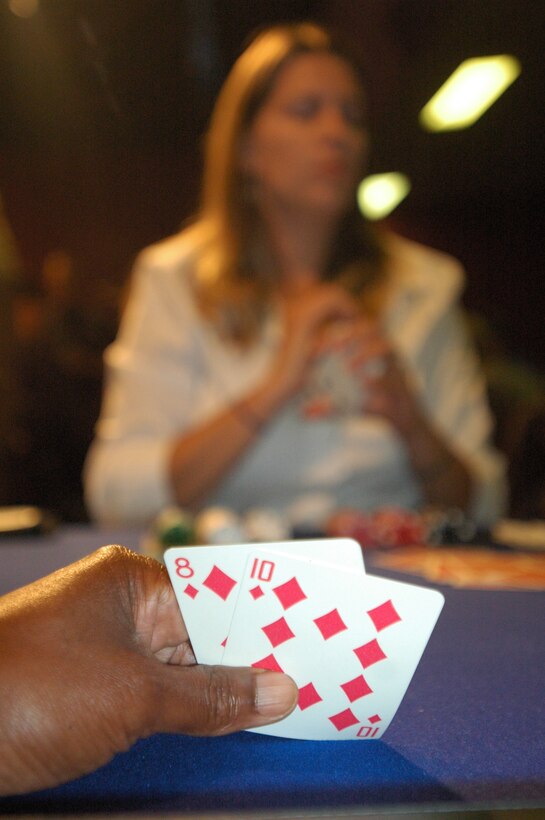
(445, 479)
(200, 458)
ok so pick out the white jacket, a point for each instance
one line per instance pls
(168, 371)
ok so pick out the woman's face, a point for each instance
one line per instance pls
(306, 147)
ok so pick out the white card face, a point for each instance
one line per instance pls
(206, 582)
(351, 642)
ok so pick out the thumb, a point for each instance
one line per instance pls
(216, 700)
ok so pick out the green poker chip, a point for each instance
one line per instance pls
(174, 527)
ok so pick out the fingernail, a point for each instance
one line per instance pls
(276, 694)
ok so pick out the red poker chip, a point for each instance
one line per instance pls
(351, 523)
(385, 527)
(395, 527)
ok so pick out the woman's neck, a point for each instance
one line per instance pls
(301, 246)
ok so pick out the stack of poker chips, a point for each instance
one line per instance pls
(387, 527)
(217, 526)
(395, 527)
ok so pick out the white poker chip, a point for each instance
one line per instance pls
(310, 510)
(264, 524)
(218, 526)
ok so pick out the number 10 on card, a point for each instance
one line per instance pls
(262, 570)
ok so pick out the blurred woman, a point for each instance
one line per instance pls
(277, 347)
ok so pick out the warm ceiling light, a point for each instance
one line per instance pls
(467, 93)
(379, 194)
(23, 8)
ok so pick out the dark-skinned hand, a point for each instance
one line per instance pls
(96, 656)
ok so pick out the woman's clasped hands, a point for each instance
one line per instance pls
(341, 359)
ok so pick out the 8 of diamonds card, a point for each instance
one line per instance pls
(206, 580)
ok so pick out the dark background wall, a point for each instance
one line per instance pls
(103, 106)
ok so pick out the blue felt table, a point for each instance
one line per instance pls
(470, 730)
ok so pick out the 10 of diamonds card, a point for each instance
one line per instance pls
(350, 641)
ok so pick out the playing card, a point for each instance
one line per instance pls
(206, 581)
(332, 377)
(350, 641)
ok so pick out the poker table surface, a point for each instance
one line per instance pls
(469, 734)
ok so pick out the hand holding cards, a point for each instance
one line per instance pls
(350, 641)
